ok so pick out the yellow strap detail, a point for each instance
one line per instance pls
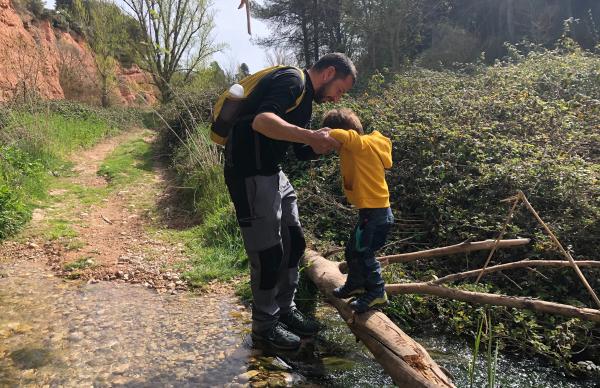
(250, 82)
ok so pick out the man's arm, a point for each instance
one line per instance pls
(271, 125)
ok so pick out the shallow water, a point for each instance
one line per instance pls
(58, 333)
(64, 333)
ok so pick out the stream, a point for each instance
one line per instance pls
(55, 332)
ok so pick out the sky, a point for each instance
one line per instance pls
(231, 30)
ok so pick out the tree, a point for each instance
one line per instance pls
(243, 71)
(108, 31)
(176, 38)
(279, 56)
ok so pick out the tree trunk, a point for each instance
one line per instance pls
(316, 40)
(305, 39)
(538, 306)
(515, 265)
(449, 250)
(406, 361)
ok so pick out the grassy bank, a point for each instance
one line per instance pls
(35, 142)
(212, 239)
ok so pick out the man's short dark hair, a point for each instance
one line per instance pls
(342, 64)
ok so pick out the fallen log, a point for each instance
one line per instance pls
(449, 250)
(405, 360)
(514, 265)
(539, 306)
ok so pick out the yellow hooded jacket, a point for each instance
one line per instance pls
(363, 159)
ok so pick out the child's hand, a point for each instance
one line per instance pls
(336, 144)
(322, 143)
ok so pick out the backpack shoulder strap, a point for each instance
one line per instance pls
(301, 97)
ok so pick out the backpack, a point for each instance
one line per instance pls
(227, 107)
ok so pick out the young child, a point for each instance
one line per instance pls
(363, 159)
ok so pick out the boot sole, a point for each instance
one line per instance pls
(256, 338)
(303, 334)
(356, 292)
(377, 304)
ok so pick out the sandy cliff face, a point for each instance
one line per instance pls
(37, 58)
(27, 60)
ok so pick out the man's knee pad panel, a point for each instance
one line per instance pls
(270, 260)
(297, 245)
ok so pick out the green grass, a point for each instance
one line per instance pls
(60, 228)
(53, 137)
(81, 263)
(221, 258)
(34, 145)
(74, 268)
(127, 163)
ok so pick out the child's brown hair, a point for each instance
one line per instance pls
(343, 118)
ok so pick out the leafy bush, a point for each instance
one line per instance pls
(462, 143)
(36, 7)
(13, 213)
(184, 114)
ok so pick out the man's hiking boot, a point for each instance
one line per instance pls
(297, 323)
(278, 337)
(346, 291)
(368, 301)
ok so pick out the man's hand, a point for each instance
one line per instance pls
(322, 143)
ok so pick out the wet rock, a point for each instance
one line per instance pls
(588, 366)
(30, 358)
(76, 336)
(245, 377)
(279, 364)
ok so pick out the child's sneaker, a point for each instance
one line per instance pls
(346, 291)
(369, 301)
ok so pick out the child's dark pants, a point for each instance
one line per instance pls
(368, 236)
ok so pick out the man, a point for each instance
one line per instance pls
(264, 199)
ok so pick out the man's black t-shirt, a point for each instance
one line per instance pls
(250, 153)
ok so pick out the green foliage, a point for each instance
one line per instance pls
(187, 111)
(215, 245)
(74, 268)
(463, 142)
(13, 213)
(36, 7)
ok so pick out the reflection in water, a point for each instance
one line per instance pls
(455, 355)
(60, 333)
(110, 334)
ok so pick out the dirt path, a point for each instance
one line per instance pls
(109, 239)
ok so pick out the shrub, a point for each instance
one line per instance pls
(461, 144)
(36, 7)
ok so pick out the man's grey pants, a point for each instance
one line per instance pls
(267, 213)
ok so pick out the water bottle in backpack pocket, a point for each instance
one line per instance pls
(226, 117)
